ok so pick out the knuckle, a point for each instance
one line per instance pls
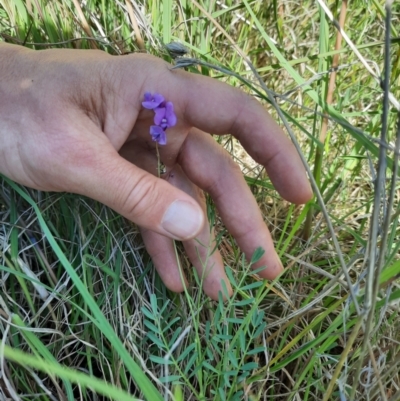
(226, 168)
(139, 197)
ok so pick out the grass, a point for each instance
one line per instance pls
(83, 315)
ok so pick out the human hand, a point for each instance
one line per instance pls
(72, 120)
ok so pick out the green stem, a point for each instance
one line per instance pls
(158, 161)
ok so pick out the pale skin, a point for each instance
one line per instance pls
(72, 120)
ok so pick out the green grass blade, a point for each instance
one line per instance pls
(101, 322)
(65, 373)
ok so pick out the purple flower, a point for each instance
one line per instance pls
(165, 116)
(158, 135)
(152, 101)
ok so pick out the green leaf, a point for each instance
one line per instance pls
(222, 337)
(243, 376)
(151, 326)
(260, 329)
(256, 351)
(225, 289)
(234, 320)
(390, 272)
(231, 373)
(174, 337)
(153, 303)
(242, 340)
(155, 340)
(257, 255)
(160, 360)
(148, 314)
(252, 286)
(259, 317)
(233, 359)
(245, 302)
(229, 273)
(169, 379)
(209, 367)
(186, 352)
(164, 307)
(222, 393)
(249, 366)
(171, 323)
(190, 362)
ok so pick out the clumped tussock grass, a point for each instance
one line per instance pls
(80, 304)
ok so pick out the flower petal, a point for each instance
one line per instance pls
(170, 115)
(159, 115)
(158, 134)
(162, 140)
(158, 98)
(152, 101)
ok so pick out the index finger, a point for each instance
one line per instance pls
(221, 109)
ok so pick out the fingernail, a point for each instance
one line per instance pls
(183, 220)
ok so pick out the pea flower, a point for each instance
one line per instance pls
(152, 101)
(158, 135)
(164, 116)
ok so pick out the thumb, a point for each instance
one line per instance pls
(146, 200)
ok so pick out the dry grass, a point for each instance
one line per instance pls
(307, 320)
